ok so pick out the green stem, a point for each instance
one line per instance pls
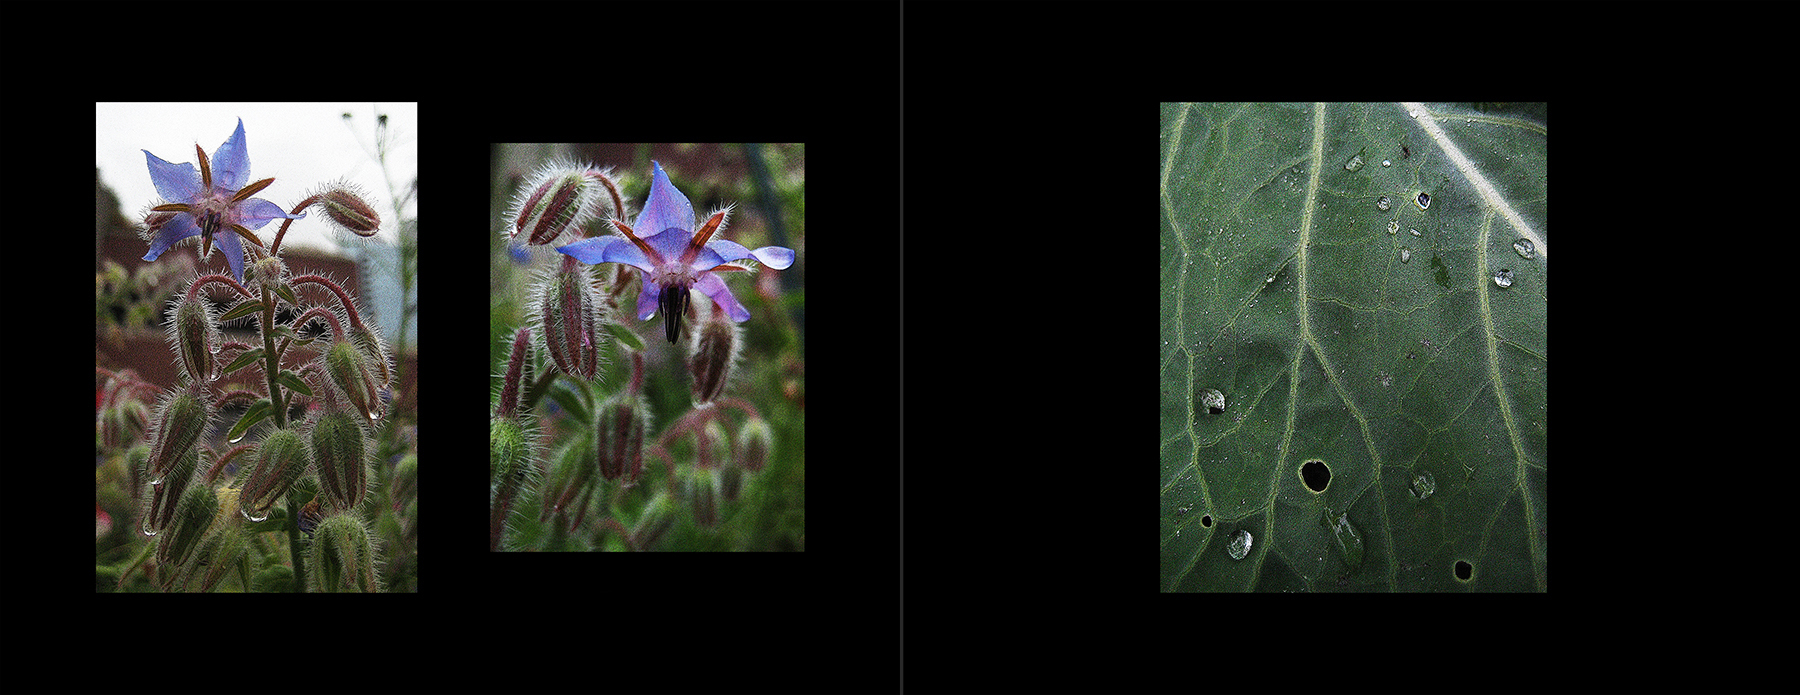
(272, 370)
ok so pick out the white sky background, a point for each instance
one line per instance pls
(301, 145)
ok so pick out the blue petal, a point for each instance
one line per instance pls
(610, 249)
(176, 183)
(670, 243)
(256, 213)
(777, 257)
(233, 249)
(181, 227)
(231, 162)
(648, 299)
(710, 285)
(666, 207)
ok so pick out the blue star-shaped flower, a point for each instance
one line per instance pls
(210, 201)
(676, 256)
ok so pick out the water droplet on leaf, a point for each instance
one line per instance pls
(1405, 255)
(1423, 484)
(1212, 400)
(1349, 542)
(1423, 200)
(1239, 545)
(1503, 278)
(1355, 163)
(1382, 204)
(1525, 248)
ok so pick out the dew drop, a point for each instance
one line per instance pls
(1355, 163)
(1405, 256)
(1503, 278)
(1213, 400)
(1525, 248)
(253, 517)
(1386, 163)
(1415, 232)
(1239, 545)
(1423, 484)
(238, 438)
(1423, 200)
(1393, 226)
(149, 531)
(1382, 204)
(1349, 541)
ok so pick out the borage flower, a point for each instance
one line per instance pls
(208, 202)
(676, 256)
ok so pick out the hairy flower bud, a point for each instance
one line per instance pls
(280, 460)
(619, 427)
(559, 197)
(193, 516)
(194, 334)
(567, 316)
(342, 556)
(344, 208)
(163, 493)
(340, 455)
(710, 359)
(755, 441)
(353, 373)
(512, 468)
(181, 420)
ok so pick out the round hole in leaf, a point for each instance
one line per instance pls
(1316, 475)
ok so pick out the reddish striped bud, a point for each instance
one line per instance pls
(280, 460)
(559, 198)
(193, 516)
(710, 359)
(194, 335)
(619, 427)
(755, 441)
(350, 369)
(567, 316)
(181, 420)
(342, 556)
(340, 456)
(345, 209)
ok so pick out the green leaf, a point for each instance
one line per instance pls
(257, 412)
(293, 382)
(1385, 356)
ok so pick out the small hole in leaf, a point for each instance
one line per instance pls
(1464, 570)
(1316, 475)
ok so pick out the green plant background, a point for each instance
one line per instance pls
(1339, 335)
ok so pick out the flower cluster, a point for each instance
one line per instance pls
(200, 519)
(606, 433)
